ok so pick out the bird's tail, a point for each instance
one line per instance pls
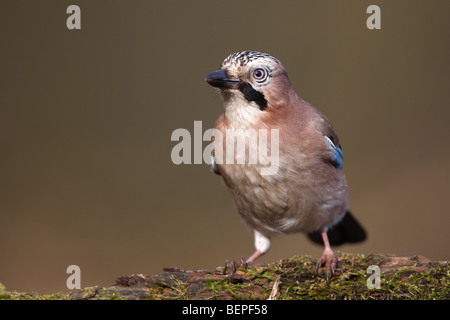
(348, 230)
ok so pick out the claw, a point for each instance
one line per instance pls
(225, 266)
(244, 262)
(329, 260)
(229, 265)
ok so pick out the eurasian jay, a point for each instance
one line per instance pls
(308, 192)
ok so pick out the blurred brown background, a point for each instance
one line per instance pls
(86, 118)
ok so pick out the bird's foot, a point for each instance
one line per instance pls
(232, 266)
(329, 260)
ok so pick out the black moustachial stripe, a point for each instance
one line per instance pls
(251, 94)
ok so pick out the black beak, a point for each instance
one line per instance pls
(219, 79)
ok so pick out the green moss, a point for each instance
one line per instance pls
(179, 289)
(238, 291)
(107, 294)
(293, 278)
(298, 280)
(13, 295)
(156, 293)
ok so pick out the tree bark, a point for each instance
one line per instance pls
(389, 277)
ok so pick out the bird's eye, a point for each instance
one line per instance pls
(260, 74)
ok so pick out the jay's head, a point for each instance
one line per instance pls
(251, 83)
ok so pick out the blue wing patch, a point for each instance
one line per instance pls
(336, 153)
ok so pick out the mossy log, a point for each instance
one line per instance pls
(400, 277)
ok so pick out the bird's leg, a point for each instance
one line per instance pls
(328, 259)
(262, 245)
(254, 256)
(232, 266)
